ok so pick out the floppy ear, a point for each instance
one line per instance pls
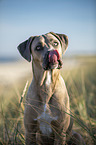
(63, 40)
(25, 49)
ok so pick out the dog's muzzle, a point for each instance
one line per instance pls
(52, 60)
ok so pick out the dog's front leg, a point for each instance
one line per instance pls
(33, 138)
(60, 138)
(30, 138)
(60, 141)
(31, 128)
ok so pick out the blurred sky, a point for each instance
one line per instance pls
(20, 19)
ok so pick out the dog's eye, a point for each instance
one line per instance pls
(38, 48)
(55, 43)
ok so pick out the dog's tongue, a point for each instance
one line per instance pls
(54, 56)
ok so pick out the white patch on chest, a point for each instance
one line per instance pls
(45, 121)
(48, 78)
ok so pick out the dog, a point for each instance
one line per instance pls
(47, 118)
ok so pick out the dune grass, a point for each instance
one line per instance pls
(81, 84)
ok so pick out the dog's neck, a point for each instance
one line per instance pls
(44, 77)
(45, 80)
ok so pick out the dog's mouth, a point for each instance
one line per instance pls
(52, 60)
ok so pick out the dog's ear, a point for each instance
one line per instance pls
(63, 40)
(25, 49)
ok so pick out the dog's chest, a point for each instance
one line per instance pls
(48, 78)
(45, 121)
(46, 117)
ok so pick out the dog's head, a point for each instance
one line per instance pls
(46, 50)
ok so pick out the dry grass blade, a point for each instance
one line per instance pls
(24, 91)
(81, 85)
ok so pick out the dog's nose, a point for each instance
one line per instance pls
(54, 56)
(52, 60)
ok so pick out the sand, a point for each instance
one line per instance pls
(14, 71)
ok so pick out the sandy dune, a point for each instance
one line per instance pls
(12, 72)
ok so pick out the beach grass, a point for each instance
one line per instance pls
(80, 80)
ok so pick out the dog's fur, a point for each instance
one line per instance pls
(47, 110)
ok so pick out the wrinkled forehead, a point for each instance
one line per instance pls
(51, 37)
(47, 38)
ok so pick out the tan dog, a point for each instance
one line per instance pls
(47, 109)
